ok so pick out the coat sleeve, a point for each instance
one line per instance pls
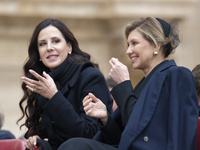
(125, 99)
(68, 121)
(183, 111)
(111, 132)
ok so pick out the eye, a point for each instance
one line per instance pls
(56, 41)
(42, 43)
(134, 43)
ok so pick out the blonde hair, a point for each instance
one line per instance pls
(153, 31)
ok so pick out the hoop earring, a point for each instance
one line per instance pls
(155, 53)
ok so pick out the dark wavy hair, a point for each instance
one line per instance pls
(30, 110)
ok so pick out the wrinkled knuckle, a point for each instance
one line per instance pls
(114, 67)
(84, 108)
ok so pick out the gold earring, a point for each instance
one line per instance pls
(155, 53)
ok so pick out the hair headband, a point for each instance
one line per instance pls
(166, 27)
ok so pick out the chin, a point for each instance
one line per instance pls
(134, 66)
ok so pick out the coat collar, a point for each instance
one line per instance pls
(144, 107)
(76, 75)
(65, 76)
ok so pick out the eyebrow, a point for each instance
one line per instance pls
(132, 40)
(51, 38)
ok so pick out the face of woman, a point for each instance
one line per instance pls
(140, 51)
(53, 49)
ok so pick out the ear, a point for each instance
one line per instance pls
(70, 46)
(157, 47)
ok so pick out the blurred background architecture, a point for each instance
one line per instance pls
(99, 27)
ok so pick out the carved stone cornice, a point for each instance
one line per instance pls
(104, 9)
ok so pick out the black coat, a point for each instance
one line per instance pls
(63, 116)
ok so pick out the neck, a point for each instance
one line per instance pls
(152, 66)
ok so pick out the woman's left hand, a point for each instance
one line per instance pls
(45, 86)
(31, 142)
(94, 107)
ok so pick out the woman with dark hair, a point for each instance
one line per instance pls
(161, 112)
(58, 75)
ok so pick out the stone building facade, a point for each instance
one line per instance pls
(99, 27)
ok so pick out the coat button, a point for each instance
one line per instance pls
(146, 139)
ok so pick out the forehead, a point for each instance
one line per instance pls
(49, 32)
(134, 35)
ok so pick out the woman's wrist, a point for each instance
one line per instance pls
(104, 119)
(52, 94)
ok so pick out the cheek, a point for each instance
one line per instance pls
(64, 54)
(41, 53)
(64, 51)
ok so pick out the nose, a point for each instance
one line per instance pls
(129, 50)
(49, 47)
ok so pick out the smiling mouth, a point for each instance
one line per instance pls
(53, 57)
(133, 58)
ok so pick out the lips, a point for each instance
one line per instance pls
(133, 58)
(52, 57)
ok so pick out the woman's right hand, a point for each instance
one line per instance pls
(45, 86)
(94, 107)
(31, 142)
(119, 72)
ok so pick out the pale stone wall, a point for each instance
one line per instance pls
(99, 27)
